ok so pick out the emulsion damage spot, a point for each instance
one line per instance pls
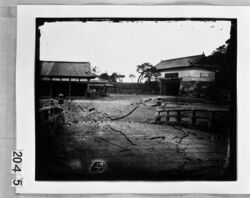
(98, 166)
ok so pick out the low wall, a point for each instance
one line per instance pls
(134, 88)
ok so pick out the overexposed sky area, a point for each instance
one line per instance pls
(120, 47)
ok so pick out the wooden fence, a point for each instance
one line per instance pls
(193, 114)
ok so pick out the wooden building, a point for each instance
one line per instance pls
(67, 78)
(186, 76)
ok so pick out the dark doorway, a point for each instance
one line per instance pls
(171, 87)
(78, 89)
(44, 88)
(60, 88)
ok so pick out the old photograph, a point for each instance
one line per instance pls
(135, 99)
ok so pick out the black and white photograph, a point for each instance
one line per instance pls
(135, 99)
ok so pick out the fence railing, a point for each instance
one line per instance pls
(194, 114)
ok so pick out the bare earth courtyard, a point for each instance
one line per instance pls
(116, 138)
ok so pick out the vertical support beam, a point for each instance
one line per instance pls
(50, 87)
(167, 118)
(193, 121)
(178, 116)
(163, 87)
(210, 119)
(160, 85)
(69, 87)
(100, 90)
(157, 116)
(87, 90)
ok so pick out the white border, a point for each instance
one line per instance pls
(25, 97)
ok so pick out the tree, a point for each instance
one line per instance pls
(146, 70)
(141, 70)
(112, 78)
(120, 77)
(104, 76)
(151, 73)
(218, 58)
(132, 76)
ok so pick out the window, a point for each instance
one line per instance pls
(171, 75)
(204, 75)
(207, 75)
(211, 75)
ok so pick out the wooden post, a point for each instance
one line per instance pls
(69, 87)
(163, 88)
(178, 116)
(87, 90)
(50, 87)
(160, 85)
(158, 101)
(193, 122)
(167, 118)
(210, 119)
(157, 116)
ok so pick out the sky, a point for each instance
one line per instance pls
(120, 47)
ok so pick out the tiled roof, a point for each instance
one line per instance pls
(65, 69)
(179, 62)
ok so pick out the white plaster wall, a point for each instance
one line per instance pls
(194, 74)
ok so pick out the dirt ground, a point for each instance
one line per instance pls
(97, 143)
